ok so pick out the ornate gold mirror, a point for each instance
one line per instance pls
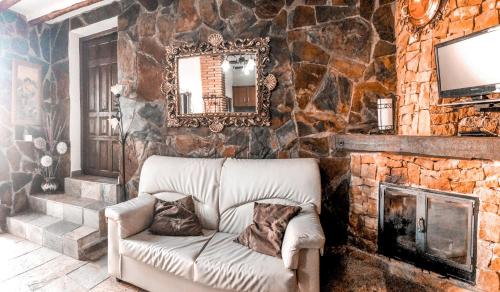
(218, 83)
(422, 11)
(418, 14)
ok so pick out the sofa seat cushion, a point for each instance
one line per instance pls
(227, 265)
(172, 254)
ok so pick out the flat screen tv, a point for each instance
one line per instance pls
(470, 65)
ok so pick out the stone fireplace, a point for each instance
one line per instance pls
(430, 229)
(467, 185)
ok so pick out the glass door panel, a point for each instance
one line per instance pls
(448, 229)
(400, 210)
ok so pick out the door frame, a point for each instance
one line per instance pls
(74, 86)
(84, 94)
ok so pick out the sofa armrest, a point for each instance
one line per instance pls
(303, 232)
(132, 216)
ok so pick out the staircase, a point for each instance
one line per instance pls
(73, 222)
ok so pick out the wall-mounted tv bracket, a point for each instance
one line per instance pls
(481, 103)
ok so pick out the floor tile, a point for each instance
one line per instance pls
(26, 262)
(44, 274)
(91, 274)
(111, 285)
(12, 249)
(62, 284)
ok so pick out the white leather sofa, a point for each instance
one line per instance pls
(224, 191)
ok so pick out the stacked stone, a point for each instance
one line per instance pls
(332, 60)
(417, 83)
(17, 158)
(47, 45)
(478, 178)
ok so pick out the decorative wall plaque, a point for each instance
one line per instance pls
(418, 16)
(218, 83)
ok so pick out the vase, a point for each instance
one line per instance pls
(49, 185)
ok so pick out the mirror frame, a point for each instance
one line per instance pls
(433, 15)
(216, 45)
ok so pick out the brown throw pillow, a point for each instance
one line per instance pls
(266, 233)
(176, 218)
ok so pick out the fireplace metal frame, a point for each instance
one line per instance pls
(421, 258)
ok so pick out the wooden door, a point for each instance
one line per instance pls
(100, 146)
(239, 96)
(244, 96)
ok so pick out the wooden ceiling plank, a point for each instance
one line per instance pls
(57, 13)
(6, 4)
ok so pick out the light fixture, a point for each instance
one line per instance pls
(225, 65)
(117, 89)
(385, 113)
(250, 65)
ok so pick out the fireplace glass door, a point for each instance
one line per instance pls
(434, 230)
(448, 226)
(400, 212)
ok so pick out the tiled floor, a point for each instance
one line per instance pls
(26, 266)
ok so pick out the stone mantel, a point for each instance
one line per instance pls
(487, 148)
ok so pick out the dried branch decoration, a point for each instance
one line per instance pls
(216, 45)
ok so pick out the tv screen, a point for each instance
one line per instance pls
(470, 65)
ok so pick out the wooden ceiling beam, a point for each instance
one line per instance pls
(6, 4)
(57, 13)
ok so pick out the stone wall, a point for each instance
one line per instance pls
(332, 59)
(17, 158)
(417, 85)
(47, 45)
(472, 177)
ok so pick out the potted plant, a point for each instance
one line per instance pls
(50, 149)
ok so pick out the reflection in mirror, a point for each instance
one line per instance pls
(217, 84)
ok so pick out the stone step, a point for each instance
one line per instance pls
(94, 187)
(76, 210)
(62, 236)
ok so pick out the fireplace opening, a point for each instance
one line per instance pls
(431, 229)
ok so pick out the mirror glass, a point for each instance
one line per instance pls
(217, 84)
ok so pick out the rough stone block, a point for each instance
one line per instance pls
(467, 164)
(16, 227)
(73, 214)
(368, 171)
(473, 174)
(74, 241)
(35, 229)
(37, 204)
(93, 216)
(55, 209)
(110, 193)
(91, 190)
(53, 235)
(72, 187)
(489, 226)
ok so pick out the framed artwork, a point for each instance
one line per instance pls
(26, 93)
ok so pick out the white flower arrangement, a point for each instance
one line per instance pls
(49, 146)
(40, 143)
(46, 161)
(62, 148)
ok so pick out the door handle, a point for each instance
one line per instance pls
(421, 225)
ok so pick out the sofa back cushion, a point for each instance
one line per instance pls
(277, 181)
(171, 178)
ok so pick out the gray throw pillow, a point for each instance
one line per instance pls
(266, 233)
(176, 218)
